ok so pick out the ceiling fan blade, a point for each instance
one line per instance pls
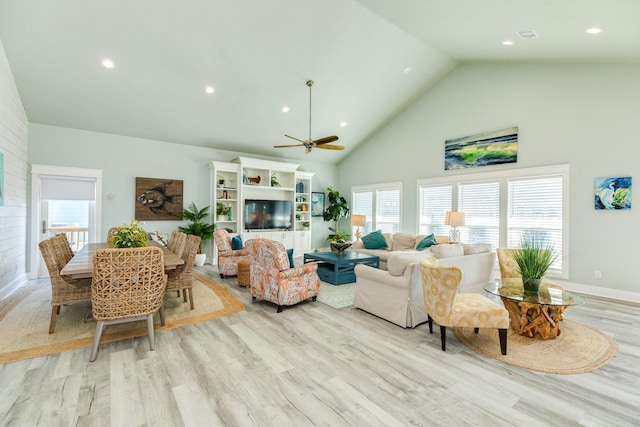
(326, 140)
(331, 147)
(288, 145)
(292, 137)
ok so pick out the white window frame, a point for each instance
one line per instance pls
(503, 176)
(374, 189)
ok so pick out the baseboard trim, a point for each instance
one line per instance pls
(13, 286)
(599, 291)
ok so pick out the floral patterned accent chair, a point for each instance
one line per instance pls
(508, 266)
(228, 258)
(273, 279)
(447, 307)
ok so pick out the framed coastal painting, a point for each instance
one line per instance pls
(317, 203)
(158, 199)
(612, 193)
(483, 149)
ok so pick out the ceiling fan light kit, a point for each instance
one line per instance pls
(309, 143)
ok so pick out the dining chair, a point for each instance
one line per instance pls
(62, 247)
(447, 307)
(128, 285)
(181, 279)
(111, 232)
(64, 290)
(177, 242)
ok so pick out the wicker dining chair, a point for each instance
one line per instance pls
(177, 242)
(181, 279)
(128, 285)
(62, 247)
(64, 290)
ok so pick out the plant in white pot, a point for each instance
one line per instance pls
(197, 227)
(533, 259)
(222, 211)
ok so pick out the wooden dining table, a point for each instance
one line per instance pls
(81, 265)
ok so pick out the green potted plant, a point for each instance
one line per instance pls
(129, 236)
(337, 209)
(533, 259)
(198, 227)
(222, 211)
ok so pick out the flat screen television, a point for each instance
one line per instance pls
(267, 214)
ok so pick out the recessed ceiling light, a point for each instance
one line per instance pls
(507, 43)
(209, 89)
(285, 109)
(594, 30)
(407, 70)
(107, 63)
(343, 124)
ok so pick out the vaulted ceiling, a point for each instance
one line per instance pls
(369, 59)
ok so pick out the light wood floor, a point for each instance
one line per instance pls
(314, 365)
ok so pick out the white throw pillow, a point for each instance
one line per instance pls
(476, 248)
(447, 251)
(403, 241)
(397, 262)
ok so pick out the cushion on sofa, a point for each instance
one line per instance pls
(374, 240)
(476, 248)
(425, 243)
(403, 241)
(447, 251)
(397, 262)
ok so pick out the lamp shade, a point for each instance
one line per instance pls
(454, 218)
(358, 220)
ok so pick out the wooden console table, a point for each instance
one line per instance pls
(533, 314)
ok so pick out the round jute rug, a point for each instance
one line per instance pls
(578, 348)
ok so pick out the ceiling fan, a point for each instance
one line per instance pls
(310, 144)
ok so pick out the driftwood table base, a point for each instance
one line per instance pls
(535, 320)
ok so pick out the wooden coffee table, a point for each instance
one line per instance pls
(337, 269)
(534, 314)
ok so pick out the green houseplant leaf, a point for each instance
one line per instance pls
(337, 209)
(534, 257)
(197, 226)
(129, 236)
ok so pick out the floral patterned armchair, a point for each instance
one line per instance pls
(274, 280)
(228, 258)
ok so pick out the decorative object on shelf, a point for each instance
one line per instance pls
(358, 221)
(337, 209)
(245, 180)
(317, 203)
(129, 236)
(533, 259)
(310, 144)
(305, 224)
(196, 225)
(222, 211)
(300, 187)
(484, 149)
(229, 214)
(274, 180)
(221, 182)
(158, 199)
(613, 193)
(454, 219)
(225, 195)
(253, 180)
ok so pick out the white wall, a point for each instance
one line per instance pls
(122, 159)
(13, 215)
(581, 114)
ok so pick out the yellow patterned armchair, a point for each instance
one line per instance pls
(228, 258)
(273, 279)
(447, 307)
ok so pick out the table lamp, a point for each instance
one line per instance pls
(454, 219)
(358, 221)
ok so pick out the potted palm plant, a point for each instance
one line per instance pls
(533, 259)
(198, 227)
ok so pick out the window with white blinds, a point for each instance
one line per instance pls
(480, 202)
(535, 207)
(381, 204)
(501, 206)
(434, 201)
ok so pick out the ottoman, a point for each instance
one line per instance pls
(244, 272)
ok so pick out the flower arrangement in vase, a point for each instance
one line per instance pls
(129, 236)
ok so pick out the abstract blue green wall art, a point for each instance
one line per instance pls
(483, 149)
(1, 179)
(613, 193)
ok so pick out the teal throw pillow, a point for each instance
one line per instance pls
(374, 240)
(290, 255)
(236, 242)
(427, 242)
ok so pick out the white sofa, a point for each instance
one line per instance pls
(395, 242)
(396, 294)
